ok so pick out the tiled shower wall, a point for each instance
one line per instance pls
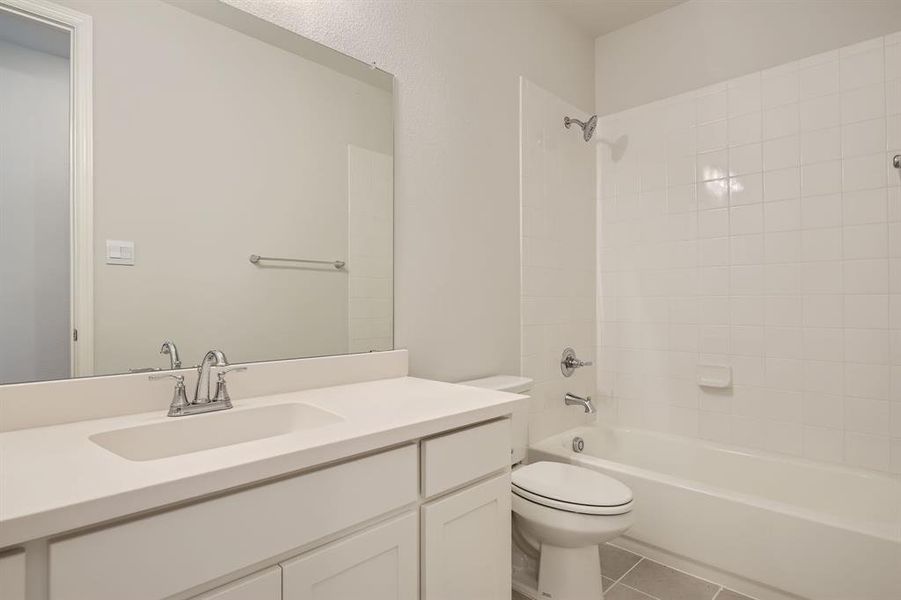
(558, 198)
(757, 224)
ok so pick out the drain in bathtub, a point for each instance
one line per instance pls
(578, 444)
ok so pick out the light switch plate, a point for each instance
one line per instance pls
(119, 252)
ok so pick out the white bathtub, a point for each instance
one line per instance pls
(778, 526)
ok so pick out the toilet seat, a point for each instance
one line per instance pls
(572, 489)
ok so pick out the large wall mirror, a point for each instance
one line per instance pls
(180, 171)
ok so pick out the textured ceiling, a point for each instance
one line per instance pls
(598, 17)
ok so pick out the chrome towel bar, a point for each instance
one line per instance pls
(338, 264)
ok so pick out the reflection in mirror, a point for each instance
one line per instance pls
(216, 137)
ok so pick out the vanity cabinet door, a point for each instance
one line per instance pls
(380, 563)
(265, 585)
(466, 543)
(12, 576)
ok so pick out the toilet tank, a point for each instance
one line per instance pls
(520, 421)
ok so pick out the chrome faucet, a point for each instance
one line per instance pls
(585, 403)
(202, 402)
(168, 348)
(210, 359)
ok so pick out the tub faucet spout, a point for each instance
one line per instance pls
(585, 403)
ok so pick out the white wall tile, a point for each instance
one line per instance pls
(868, 346)
(823, 310)
(781, 184)
(868, 451)
(819, 80)
(818, 145)
(893, 97)
(782, 247)
(746, 159)
(823, 344)
(821, 178)
(711, 106)
(782, 215)
(744, 95)
(866, 311)
(865, 276)
(781, 153)
(746, 189)
(862, 68)
(746, 219)
(864, 206)
(863, 103)
(773, 245)
(712, 136)
(745, 129)
(821, 244)
(863, 137)
(781, 121)
(821, 211)
(865, 241)
(822, 444)
(864, 172)
(821, 112)
(866, 415)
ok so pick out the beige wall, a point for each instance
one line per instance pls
(457, 208)
(211, 146)
(702, 42)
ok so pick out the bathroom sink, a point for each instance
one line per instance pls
(183, 435)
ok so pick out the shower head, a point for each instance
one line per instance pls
(588, 127)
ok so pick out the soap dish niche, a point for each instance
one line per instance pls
(714, 376)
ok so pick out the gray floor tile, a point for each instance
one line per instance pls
(665, 583)
(518, 596)
(621, 592)
(616, 561)
(606, 582)
(730, 595)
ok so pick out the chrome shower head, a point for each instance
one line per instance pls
(588, 127)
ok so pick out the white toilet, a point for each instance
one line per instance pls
(561, 514)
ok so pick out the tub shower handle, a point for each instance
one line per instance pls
(569, 362)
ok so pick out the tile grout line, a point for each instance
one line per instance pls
(629, 587)
(621, 577)
(643, 558)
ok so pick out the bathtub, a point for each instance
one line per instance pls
(766, 525)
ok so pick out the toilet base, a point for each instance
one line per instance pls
(570, 573)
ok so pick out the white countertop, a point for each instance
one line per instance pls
(54, 479)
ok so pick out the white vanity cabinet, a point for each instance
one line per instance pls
(424, 520)
(466, 543)
(466, 533)
(12, 576)
(381, 563)
(265, 585)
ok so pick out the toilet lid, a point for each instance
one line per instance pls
(559, 484)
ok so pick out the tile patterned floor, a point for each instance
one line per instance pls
(629, 576)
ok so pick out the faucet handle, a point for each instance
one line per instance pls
(221, 394)
(569, 362)
(179, 379)
(179, 397)
(221, 371)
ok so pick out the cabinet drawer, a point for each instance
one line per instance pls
(12, 576)
(452, 460)
(210, 539)
(381, 563)
(265, 585)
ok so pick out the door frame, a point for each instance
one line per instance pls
(81, 177)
